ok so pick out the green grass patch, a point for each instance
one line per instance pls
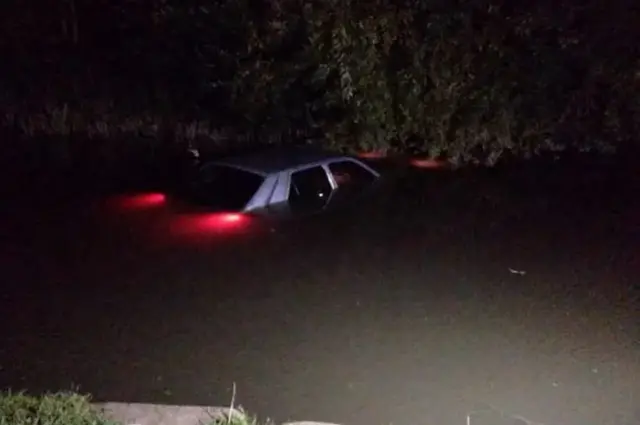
(64, 408)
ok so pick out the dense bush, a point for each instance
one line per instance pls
(472, 80)
(52, 409)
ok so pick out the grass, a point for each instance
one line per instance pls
(66, 408)
(71, 408)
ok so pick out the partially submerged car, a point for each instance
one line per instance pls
(282, 182)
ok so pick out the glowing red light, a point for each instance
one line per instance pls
(151, 199)
(224, 221)
(141, 200)
(427, 163)
(231, 218)
(373, 155)
(195, 225)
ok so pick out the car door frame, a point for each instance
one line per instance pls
(289, 179)
(334, 183)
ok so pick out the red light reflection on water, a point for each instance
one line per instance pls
(210, 224)
(141, 201)
(427, 163)
(373, 155)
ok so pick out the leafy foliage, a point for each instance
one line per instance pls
(471, 80)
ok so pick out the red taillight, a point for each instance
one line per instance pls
(211, 224)
(231, 218)
(141, 200)
(224, 221)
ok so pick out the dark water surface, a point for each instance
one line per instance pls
(415, 321)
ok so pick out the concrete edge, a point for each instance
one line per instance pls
(309, 423)
(166, 414)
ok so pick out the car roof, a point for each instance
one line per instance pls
(274, 160)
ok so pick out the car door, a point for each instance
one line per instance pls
(352, 181)
(309, 190)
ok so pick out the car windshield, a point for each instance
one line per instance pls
(227, 188)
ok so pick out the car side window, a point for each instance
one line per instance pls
(351, 174)
(309, 186)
